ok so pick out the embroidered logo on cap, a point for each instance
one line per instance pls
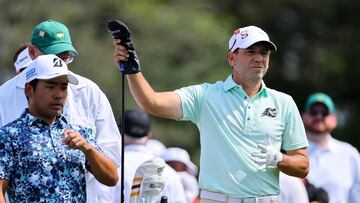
(237, 31)
(59, 35)
(244, 34)
(57, 62)
(41, 33)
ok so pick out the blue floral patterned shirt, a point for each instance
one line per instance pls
(36, 163)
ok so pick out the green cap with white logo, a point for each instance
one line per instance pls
(322, 98)
(52, 37)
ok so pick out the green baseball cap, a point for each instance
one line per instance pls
(52, 37)
(322, 98)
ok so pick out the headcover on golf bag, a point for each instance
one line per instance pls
(148, 182)
(120, 31)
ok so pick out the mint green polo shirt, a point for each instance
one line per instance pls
(231, 125)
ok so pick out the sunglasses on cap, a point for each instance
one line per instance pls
(315, 112)
(68, 57)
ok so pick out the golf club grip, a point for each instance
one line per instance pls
(164, 199)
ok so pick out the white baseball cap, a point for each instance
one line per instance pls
(181, 155)
(46, 67)
(247, 36)
(23, 60)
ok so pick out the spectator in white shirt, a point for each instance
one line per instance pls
(335, 165)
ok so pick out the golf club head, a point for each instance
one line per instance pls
(118, 29)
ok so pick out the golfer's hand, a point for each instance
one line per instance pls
(267, 157)
(120, 52)
(126, 58)
(121, 33)
(75, 141)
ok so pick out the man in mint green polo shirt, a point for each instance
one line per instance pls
(243, 124)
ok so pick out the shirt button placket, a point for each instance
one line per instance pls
(247, 115)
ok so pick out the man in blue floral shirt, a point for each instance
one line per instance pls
(42, 158)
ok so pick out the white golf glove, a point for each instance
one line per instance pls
(267, 157)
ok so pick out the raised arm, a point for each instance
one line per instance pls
(102, 167)
(164, 104)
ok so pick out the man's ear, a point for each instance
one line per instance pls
(28, 90)
(32, 52)
(331, 122)
(231, 58)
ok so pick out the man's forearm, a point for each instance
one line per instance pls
(162, 104)
(295, 164)
(102, 167)
(141, 91)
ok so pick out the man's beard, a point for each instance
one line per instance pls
(318, 128)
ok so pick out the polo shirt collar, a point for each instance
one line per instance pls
(32, 120)
(264, 89)
(330, 146)
(229, 83)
